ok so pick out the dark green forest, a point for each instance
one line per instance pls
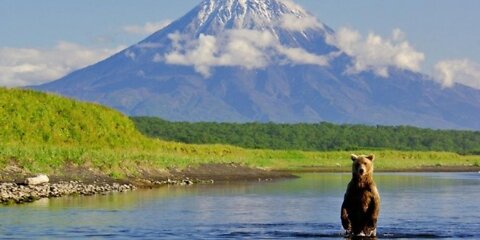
(312, 137)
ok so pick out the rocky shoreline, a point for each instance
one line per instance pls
(22, 193)
(16, 187)
(14, 193)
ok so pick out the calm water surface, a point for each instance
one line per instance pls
(414, 205)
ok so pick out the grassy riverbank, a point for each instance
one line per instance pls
(133, 162)
(43, 133)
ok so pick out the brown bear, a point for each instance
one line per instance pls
(361, 204)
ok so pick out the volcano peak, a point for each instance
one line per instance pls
(247, 14)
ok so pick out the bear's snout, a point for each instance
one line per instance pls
(361, 170)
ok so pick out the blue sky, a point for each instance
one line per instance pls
(90, 30)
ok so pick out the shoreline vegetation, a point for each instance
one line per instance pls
(88, 144)
(163, 158)
(321, 136)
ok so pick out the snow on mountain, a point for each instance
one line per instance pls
(270, 60)
(250, 33)
(214, 16)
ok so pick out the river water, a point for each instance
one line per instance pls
(414, 206)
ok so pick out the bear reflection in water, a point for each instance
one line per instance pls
(361, 204)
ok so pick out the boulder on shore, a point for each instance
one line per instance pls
(40, 179)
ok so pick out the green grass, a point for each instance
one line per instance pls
(129, 161)
(31, 118)
(42, 133)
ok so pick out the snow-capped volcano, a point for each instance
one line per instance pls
(213, 16)
(266, 60)
(241, 33)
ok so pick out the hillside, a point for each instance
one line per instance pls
(312, 137)
(34, 118)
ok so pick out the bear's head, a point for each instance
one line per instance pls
(362, 165)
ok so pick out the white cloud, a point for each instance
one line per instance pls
(301, 56)
(462, 71)
(147, 28)
(376, 53)
(202, 57)
(250, 49)
(299, 23)
(239, 49)
(30, 66)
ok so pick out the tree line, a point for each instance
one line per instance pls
(312, 136)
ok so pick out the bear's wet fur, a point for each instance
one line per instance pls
(361, 204)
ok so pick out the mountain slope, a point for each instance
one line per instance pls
(261, 60)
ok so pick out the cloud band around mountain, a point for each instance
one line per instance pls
(375, 53)
(250, 49)
(462, 71)
(254, 49)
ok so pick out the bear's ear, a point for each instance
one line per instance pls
(354, 157)
(371, 157)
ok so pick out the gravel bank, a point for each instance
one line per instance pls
(20, 193)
